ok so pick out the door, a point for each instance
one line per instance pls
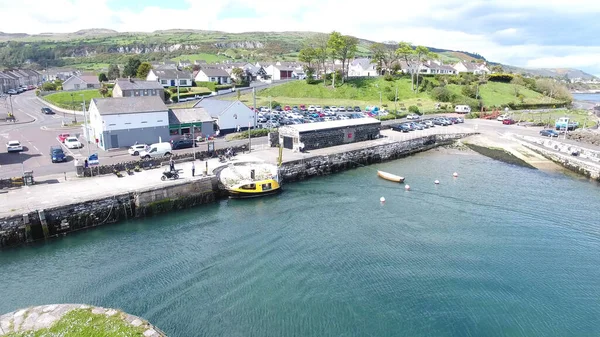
(172, 83)
(114, 141)
(288, 142)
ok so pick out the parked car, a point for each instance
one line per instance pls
(341, 109)
(502, 117)
(182, 143)
(47, 111)
(429, 123)
(564, 122)
(462, 109)
(508, 121)
(287, 108)
(72, 143)
(401, 127)
(62, 137)
(135, 150)
(302, 107)
(272, 124)
(413, 116)
(548, 133)
(14, 146)
(157, 150)
(12, 92)
(57, 154)
(357, 109)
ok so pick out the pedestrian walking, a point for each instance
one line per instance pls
(171, 164)
(86, 164)
(193, 169)
(238, 128)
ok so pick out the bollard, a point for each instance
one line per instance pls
(65, 176)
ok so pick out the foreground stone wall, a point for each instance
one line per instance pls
(567, 161)
(328, 138)
(324, 165)
(52, 222)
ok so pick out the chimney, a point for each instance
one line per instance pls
(130, 80)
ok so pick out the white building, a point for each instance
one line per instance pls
(81, 82)
(124, 121)
(214, 75)
(362, 67)
(228, 114)
(170, 77)
(470, 67)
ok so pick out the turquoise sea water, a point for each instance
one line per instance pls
(587, 97)
(499, 251)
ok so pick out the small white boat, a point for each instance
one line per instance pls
(390, 177)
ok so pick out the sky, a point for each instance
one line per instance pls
(526, 33)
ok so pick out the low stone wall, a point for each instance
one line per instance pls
(324, 165)
(567, 161)
(52, 222)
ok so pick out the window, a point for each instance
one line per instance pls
(182, 82)
(144, 122)
(160, 120)
(112, 124)
(77, 86)
(153, 92)
(164, 82)
(131, 94)
(127, 123)
(137, 93)
(145, 92)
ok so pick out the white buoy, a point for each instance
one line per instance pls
(436, 182)
(382, 199)
(455, 174)
(407, 187)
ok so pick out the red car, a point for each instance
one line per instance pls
(508, 121)
(63, 136)
(302, 107)
(287, 108)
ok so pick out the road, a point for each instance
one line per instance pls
(41, 133)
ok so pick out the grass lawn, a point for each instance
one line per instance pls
(91, 66)
(210, 58)
(366, 92)
(82, 323)
(361, 92)
(63, 99)
(580, 116)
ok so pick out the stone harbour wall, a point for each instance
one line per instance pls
(567, 161)
(324, 165)
(52, 222)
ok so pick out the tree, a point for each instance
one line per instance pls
(131, 68)
(497, 69)
(307, 55)
(407, 54)
(517, 82)
(379, 55)
(103, 90)
(238, 74)
(319, 43)
(113, 72)
(342, 48)
(102, 77)
(310, 73)
(143, 70)
(423, 54)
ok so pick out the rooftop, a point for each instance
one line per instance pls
(181, 116)
(333, 124)
(130, 84)
(127, 105)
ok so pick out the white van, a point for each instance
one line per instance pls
(156, 150)
(462, 109)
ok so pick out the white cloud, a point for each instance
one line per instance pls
(378, 20)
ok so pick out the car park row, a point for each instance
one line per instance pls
(422, 124)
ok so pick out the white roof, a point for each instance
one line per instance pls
(332, 125)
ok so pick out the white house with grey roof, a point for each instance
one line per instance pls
(170, 77)
(130, 87)
(80, 82)
(124, 121)
(470, 67)
(216, 75)
(228, 115)
(362, 67)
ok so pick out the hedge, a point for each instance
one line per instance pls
(223, 86)
(253, 133)
(209, 85)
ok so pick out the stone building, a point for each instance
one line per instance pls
(312, 136)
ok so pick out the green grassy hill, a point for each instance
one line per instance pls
(365, 92)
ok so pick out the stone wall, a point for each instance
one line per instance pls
(327, 138)
(52, 222)
(567, 161)
(324, 165)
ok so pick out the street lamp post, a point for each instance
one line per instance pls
(87, 131)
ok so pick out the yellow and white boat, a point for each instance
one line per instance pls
(390, 177)
(253, 189)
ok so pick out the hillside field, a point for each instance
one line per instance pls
(366, 92)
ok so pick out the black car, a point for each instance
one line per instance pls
(182, 143)
(47, 111)
(357, 109)
(57, 154)
(548, 133)
(401, 127)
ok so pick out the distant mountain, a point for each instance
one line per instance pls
(109, 46)
(565, 73)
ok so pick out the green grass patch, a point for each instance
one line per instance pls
(82, 323)
(63, 99)
(253, 133)
(549, 117)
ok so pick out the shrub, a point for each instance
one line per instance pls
(223, 87)
(167, 94)
(48, 86)
(37, 92)
(388, 77)
(472, 115)
(504, 78)
(391, 96)
(110, 85)
(210, 85)
(443, 107)
(469, 91)
(414, 109)
(253, 133)
(442, 94)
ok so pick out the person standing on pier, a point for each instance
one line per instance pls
(171, 164)
(193, 169)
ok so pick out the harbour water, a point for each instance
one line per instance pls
(499, 251)
(587, 97)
